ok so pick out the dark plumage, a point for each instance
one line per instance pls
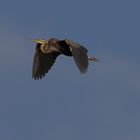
(48, 50)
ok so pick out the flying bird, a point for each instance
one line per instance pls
(48, 50)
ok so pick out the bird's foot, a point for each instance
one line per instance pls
(93, 58)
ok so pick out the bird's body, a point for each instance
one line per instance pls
(60, 45)
(48, 50)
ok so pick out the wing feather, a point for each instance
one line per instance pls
(79, 54)
(42, 63)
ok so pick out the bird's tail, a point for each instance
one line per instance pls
(93, 58)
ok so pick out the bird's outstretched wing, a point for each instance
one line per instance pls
(80, 55)
(42, 63)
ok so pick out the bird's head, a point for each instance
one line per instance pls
(42, 43)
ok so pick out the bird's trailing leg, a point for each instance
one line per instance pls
(92, 58)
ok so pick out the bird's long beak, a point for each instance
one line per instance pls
(35, 40)
(39, 40)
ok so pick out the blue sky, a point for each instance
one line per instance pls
(102, 104)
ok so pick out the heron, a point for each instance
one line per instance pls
(48, 50)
